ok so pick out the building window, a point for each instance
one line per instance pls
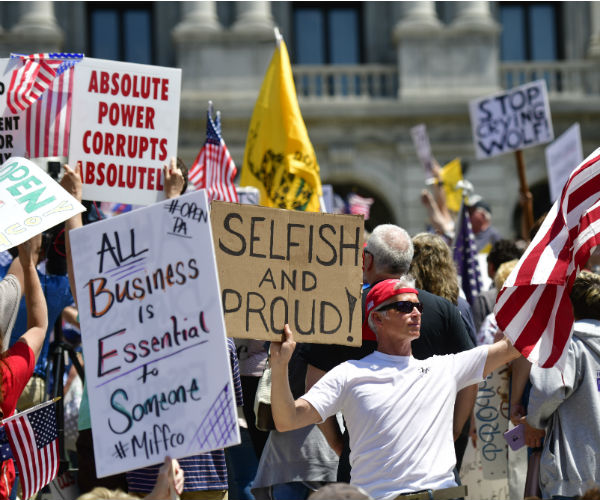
(327, 33)
(530, 31)
(121, 32)
(324, 34)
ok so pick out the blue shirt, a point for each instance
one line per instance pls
(57, 291)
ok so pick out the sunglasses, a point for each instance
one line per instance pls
(403, 306)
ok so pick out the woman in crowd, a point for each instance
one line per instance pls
(17, 363)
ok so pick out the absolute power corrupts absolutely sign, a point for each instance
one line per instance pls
(124, 128)
(283, 266)
(509, 121)
(156, 361)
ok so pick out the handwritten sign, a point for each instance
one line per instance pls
(124, 128)
(562, 156)
(513, 120)
(156, 362)
(491, 419)
(12, 127)
(421, 141)
(282, 266)
(30, 202)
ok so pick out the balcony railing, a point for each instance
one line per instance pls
(364, 81)
(563, 78)
(378, 81)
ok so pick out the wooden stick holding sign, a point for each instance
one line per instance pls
(526, 198)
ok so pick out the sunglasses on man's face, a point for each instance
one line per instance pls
(403, 306)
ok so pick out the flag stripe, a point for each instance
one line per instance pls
(214, 169)
(33, 440)
(534, 307)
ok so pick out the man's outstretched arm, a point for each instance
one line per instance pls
(287, 413)
(499, 353)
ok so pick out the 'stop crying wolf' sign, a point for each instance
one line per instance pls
(513, 120)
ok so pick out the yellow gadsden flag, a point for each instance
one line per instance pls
(279, 158)
(450, 174)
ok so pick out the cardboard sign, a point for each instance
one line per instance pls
(156, 362)
(421, 142)
(513, 120)
(30, 202)
(12, 127)
(124, 128)
(491, 419)
(282, 266)
(562, 156)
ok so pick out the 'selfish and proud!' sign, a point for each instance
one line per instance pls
(125, 121)
(156, 361)
(283, 266)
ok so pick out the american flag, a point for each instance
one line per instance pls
(533, 308)
(214, 169)
(42, 87)
(358, 205)
(465, 256)
(33, 443)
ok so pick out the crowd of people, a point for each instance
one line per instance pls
(388, 419)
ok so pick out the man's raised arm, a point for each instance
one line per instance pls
(287, 413)
(499, 353)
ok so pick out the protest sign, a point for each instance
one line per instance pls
(510, 121)
(30, 202)
(283, 266)
(12, 126)
(491, 420)
(421, 142)
(124, 128)
(562, 156)
(156, 362)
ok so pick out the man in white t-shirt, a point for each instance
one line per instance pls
(398, 409)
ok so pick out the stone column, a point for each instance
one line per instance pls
(474, 15)
(416, 15)
(37, 29)
(198, 17)
(222, 64)
(36, 17)
(594, 48)
(418, 48)
(253, 17)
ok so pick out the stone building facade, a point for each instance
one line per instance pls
(366, 72)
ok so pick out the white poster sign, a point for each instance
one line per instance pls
(156, 362)
(562, 156)
(491, 420)
(124, 128)
(423, 147)
(30, 202)
(512, 120)
(12, 126)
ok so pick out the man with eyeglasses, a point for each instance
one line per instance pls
(398, 409)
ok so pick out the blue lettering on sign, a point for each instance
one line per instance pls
(488, 414)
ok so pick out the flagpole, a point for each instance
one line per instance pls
(29, 410)
(278, 37)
